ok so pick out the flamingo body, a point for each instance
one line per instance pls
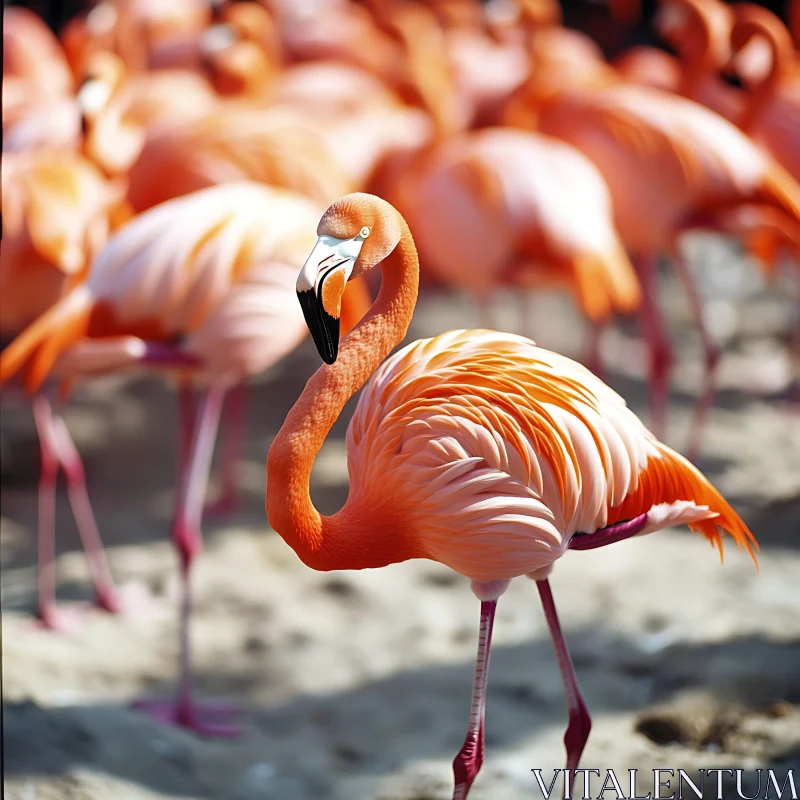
(204, 269)
(511, 207)
(475, 449)
(493, 453)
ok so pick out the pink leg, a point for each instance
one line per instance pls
(467, 763)
(487, 310)
(108, 597)
(594, 360)
(49, 615)
(580, 723)
(660, 349)
(184, 711)
(232, 446)
(711, 354)
(186, 421)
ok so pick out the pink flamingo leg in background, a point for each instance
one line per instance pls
(655, 334)
(184, 710)
(594, 356)
(580, 723)
(186, 421)
(57, 448)
(232, 444)
(711, 354)
(469, 760)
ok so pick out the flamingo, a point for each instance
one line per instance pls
(273, 146)
(509, 207)
(475, 449)
(201, 287)
(58, 211)
(670, 165)
(119, 108)
(771, 116)
(37, 85)
(134, 30)
(33, 54)
(700, 30)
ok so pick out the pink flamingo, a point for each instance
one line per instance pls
(670, 165)
(475, 449)
(201, 287)
(507, 207)
(58, 211)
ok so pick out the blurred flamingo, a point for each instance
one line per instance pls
(32, 53)
(475, 449)
(201, 287)
(58, 211)
(772, 114)
(699, 31)
(502, 207)
(670, 164)
(119, 108)
(229, 144)
(132, 29)
(37, 83)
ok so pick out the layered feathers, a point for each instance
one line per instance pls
(496, 452)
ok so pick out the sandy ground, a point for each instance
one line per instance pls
(357, 685)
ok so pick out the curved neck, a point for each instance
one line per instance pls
(781, 57)
(355, 537)
(701, 61)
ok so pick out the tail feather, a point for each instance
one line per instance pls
(607, 284)
(671, 480)
(34, 352)
(781, 190)
(623, 285)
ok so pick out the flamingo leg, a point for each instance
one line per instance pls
(487, 310)
(658, 343)
(594, 358)
(469, 760)
(186, 421)
(232, 446)
(528, 314)
(49, 615)
(711, 354)
(184, 710)
(580, 723)
(108, 596)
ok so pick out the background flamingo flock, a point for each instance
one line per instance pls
(191, 188)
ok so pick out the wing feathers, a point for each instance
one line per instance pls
(500, 451)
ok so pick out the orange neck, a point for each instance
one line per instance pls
(361, 535)
(753, 23)
(699, 57)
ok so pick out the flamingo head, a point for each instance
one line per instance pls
(357, 232)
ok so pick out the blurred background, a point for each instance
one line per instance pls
(354, 686)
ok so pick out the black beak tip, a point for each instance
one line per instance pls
(327, 357)
(324, 328)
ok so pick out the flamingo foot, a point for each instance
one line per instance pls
(210, 718)
(467, 764)
(126, 600)
(60, 620)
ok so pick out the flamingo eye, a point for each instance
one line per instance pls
(364, 232)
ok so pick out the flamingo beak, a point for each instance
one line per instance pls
(320, 287)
